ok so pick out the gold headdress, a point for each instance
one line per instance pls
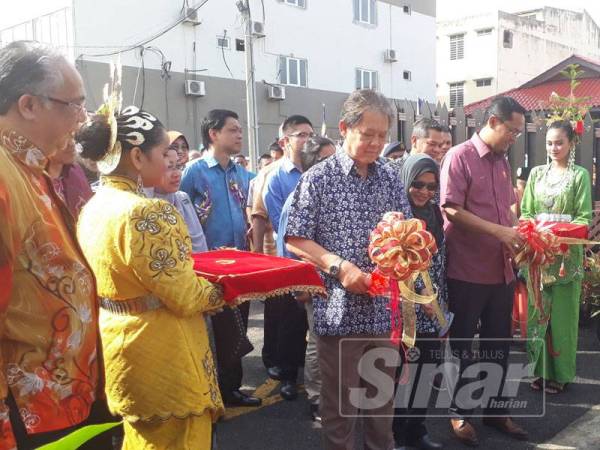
(570, 108)
(113, 99)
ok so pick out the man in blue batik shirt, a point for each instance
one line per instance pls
(218, 189)
(335, 207)
(217, 186)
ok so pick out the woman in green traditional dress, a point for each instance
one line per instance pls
(557, 191)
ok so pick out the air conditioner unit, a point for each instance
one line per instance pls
(257, 29)
(190, 15)
(195, 88)
(390, 55)
(276, 92)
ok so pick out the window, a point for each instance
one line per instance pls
(482, 82)
(365, 11)
(223, 42)
(240, 45)
(366, 79)
(407, 75)
(406, 9)
(298, 3)
(457, 94)
(292, 71)
(457, 46)
(484, 32)
(508, 39)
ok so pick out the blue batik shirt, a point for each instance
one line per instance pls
(219, 198)
(335, 207)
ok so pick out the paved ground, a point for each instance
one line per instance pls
(571, 421)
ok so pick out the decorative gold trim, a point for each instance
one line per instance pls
(314, 290)
(225, 262)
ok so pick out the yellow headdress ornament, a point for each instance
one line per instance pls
(111, 108)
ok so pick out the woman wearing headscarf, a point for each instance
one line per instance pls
(420, 176)
(179, 143)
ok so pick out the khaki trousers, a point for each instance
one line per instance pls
(348, 363)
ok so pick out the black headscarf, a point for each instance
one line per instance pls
(414, 166)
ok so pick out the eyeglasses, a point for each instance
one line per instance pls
(369, 138)
(76, 107)
(302, 135)
(179, 148)
(431, 187)
(516, 133)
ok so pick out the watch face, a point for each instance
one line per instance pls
(334, 270)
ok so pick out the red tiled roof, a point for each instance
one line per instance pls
(537, 97)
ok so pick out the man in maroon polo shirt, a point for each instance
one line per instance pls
(477, 195)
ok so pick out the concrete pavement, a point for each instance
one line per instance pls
(571, 420)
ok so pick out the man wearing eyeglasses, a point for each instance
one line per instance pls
(289, 318)
(50, 376)
(477, 195)
(335, 206)
(218, 189)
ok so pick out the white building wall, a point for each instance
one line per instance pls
(541, 39)
(480, 56)
(323, 33)
(541, 44)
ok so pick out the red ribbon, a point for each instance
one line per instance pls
(382, 285)
(540, 250)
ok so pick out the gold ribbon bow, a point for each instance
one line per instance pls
(402, 250)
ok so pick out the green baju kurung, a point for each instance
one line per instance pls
(554, 345)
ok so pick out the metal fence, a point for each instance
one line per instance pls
(530, 148)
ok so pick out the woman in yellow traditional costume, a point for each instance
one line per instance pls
(160, 375)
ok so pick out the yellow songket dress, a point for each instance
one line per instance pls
(160, 375)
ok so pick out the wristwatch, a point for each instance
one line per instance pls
(334, 270)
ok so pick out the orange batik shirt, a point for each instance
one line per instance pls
(48, 307)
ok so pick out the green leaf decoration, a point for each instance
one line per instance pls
(571, 107)
(79, 437)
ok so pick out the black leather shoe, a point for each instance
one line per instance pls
(289, 390)
(315, 415)
(238, 398)
(274, 373)
(426, 443)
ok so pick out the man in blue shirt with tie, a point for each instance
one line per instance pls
(218, 189)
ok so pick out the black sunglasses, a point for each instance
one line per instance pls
(432, 187)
